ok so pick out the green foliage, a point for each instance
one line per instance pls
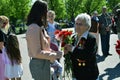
(59, 7)
(75, 7)
(113, 5)
(69, 9)
(72, 8)
(15, 9)
(64, 9)
(91, 5)
(69, 40)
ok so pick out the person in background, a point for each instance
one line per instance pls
(95, 26)
(4, 23)
(38, 42)
(83, 50)
(52, 27)
(117, 21)
(105, 23)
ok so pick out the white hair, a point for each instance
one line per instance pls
(85, 18)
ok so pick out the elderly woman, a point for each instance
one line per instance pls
(83, 50)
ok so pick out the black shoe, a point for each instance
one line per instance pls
(105, 55)
(109, 54)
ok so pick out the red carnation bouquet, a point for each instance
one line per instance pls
(65, 38)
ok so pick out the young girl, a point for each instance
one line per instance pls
(13, 69)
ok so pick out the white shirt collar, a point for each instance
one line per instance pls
(84, 35)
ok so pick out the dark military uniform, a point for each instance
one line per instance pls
(84, 60)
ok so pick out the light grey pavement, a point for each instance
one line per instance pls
(109, 67)
(25, 58)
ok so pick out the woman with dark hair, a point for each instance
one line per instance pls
(38, 42)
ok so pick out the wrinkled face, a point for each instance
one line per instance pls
(50, 17)
(80, 26)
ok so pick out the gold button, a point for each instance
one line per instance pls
(83, 64)
(79, 64)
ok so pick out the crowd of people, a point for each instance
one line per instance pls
(45, 50)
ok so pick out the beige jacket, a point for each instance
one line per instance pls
(38, 43)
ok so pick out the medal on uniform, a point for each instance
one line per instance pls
(83, 64)
(79, 64)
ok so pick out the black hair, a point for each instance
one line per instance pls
(38, 13)
(13, 50)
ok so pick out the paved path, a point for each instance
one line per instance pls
(109, 67)
(25, 58)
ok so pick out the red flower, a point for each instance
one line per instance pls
(56, 32)
(61, 34)
(64, 36)
(62, 44)
(118, 47)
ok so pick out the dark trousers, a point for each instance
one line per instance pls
(105, 39)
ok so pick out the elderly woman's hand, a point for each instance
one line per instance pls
(67, 48)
